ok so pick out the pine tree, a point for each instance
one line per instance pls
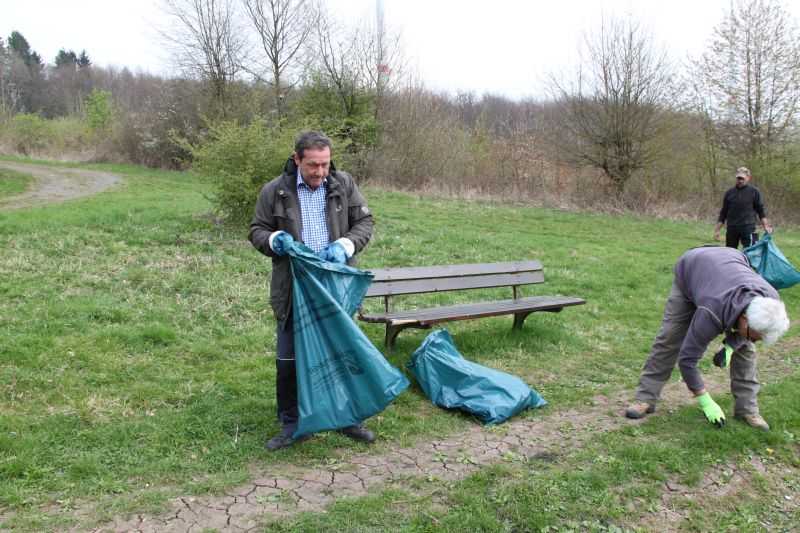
(19, 45)
(83, 60)
(66, 58)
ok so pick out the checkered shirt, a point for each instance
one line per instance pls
(312, 209)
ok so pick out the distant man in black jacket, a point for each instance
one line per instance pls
(740, 205)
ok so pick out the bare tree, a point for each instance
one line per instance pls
(207, 43)
(357, 60)
(337, 61)
(23, 76)
(7, 93)
(282, 27)
(610, 111)
(748, 81)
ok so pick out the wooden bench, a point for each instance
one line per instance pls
(391, 282)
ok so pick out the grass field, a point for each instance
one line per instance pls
(12, 183)
(136, 362)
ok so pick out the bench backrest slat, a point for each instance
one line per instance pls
(449, 271)
(414, 280)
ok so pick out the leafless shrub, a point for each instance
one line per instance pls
(206, 39)
(281, 28)
(610, 111)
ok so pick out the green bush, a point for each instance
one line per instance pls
(145, 139)
(99, 112)
(29, 133)
(353, 127)
(240, 160)
(69, 135)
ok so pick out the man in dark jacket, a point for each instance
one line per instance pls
(313, 203)
(714, 292)
(740, 206)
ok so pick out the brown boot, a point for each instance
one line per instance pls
(754, 421)
(640, 409)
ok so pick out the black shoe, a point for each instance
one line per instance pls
(358, 432)
(284, 440)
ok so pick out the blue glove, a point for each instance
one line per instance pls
(281, 243)
(334, 253)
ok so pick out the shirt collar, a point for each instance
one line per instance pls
(301, 182)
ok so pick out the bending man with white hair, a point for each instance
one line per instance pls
(714, 292)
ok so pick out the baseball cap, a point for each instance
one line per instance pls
(742, 172)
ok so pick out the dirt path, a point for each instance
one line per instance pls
(54, 184)
(284, 489)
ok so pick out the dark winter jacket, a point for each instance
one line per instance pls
(741, 205)
(721, 284)
(278, 209)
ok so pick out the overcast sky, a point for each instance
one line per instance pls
(505, 47)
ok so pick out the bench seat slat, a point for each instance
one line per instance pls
(415, 286)
(475, 310)
(447, 271)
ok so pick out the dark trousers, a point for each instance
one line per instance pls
(286, 380)
(746, 235)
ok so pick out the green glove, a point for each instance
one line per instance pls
(712, 411)
(723, 357)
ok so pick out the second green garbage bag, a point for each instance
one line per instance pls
(769, 261)
(342, 379)
(451, 381)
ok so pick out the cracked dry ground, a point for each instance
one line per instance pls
(283, 490)
(728, 479)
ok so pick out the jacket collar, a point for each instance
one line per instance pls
(290, 168)
(290, 172)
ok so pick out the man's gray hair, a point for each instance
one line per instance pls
(308, 140)
(768, 317)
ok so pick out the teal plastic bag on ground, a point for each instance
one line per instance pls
(767, 260)
(342, 379)
(451, 381)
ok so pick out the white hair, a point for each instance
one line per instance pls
(768, 317)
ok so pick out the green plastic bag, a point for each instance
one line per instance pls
(342, 379)
(452, 382)
(767, 260)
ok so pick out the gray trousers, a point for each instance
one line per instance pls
(678, 313)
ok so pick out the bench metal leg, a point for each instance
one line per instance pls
(393, 329)
(391, 335)
(519, 318)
